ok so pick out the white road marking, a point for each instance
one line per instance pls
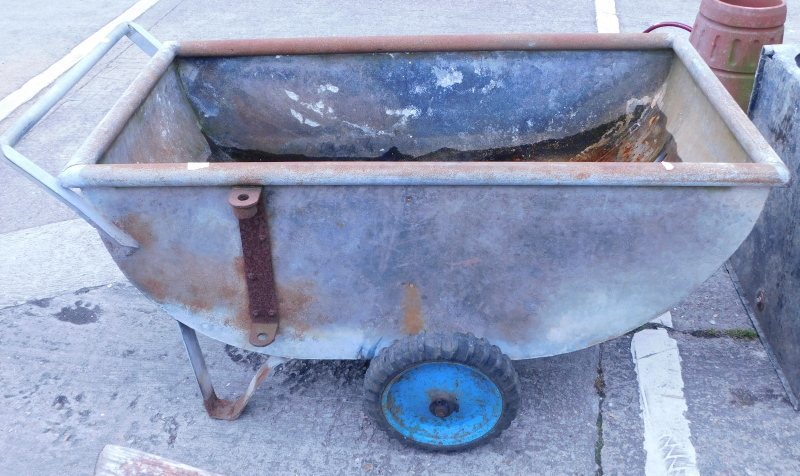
(53, 259)
(658, 365)
(30, 89)
(606, 14)
(664, 319)
(667, 438)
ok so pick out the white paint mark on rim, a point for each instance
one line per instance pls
(667, 165)
(664, 319)
(30, 89)
(196, 165)
(667, 438)
(606, 14)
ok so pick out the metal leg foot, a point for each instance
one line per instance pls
(216, 407)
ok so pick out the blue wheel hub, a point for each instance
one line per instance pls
(442, 403)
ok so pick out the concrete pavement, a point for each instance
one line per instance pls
(86, 360)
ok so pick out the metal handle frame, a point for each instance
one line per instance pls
(32, 116)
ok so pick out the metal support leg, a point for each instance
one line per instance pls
(216, 407)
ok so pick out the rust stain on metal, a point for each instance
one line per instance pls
(521, 328)
(637, 136)
(156, 289)
(294, 299)
(139, 228)
(413, 321)
(242, 319)
(173, 274)
(395, 409)
(222, 409)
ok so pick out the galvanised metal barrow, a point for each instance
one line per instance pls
(440, 205)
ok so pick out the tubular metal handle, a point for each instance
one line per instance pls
(32, 116)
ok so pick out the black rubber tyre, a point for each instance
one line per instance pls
(402, 356)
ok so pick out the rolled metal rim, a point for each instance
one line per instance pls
(710, 174)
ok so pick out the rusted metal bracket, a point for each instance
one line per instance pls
(249, 206)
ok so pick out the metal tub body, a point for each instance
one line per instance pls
(579, 237)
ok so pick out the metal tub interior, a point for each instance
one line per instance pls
(522, 201)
